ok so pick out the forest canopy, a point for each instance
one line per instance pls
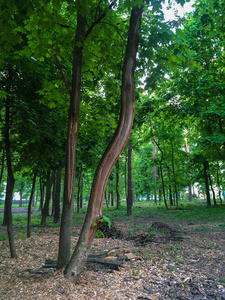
(104, 100)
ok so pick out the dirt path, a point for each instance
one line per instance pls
(18, 210)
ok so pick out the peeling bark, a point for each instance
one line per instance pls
(113, 151)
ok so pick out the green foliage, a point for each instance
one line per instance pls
(99, 234)
(105, 219)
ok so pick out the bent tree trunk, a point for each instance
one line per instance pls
(113, 151)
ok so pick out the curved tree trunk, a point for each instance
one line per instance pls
(72, 135)
(113, 151)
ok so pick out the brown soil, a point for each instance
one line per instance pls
(191, 267)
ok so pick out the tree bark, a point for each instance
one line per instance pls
(42, 188)
(112, 196)
(206, 167)
(29, 207)
(190, 193)
(161, 172)
(117, 185)
(21, 194)
(81, 187)
(148, 191)
(78, 196)
(174, 177)
(154, 173)
(57, 196)
(10, 177)
(113, 151)
(2, 164)
(129, 181)
(45, 211)
(72, 135)
(125, 178)
(218, 185)
(212, 189)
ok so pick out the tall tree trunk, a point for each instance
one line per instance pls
(161, 171)
(160, 192)
(206, 167)
(218, 185)
(148, 199)
(21, 194)
(10, 177)
(163, 186)
(45, 211)
(78, 196)
(113, 151)
(72, 135)
(109, 194)
(170, 189)
(170, 195)
(111, 191)
(129, 181)
(174, 177)
(2, 164)
(117, 185)
(81, 186)
(53, 198)
(190, 193)
(57, 196)
(154, 173)
(125, 178)
(42, 191)
(212, 189)
(29, 207)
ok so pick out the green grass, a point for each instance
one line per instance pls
(190, 212)
(197, 214)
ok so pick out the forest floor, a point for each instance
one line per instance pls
(189, 264)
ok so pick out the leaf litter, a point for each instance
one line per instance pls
(188, 268)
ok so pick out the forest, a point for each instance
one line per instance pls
(112, 117)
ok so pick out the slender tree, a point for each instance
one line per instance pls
(113, 151)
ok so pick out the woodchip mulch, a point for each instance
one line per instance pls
(188, 268)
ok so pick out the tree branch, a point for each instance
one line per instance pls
(60, 67)
(98, 21)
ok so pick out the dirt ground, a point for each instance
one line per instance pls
(191, 266)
